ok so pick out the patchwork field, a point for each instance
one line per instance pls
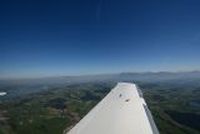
(175, 108)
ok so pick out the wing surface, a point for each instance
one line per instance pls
(122, 111)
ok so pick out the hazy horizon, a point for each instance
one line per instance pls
(98, 74)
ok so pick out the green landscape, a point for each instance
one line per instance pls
(175, 106)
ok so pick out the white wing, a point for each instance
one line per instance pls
(122, 111)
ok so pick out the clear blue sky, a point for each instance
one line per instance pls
(74, 37)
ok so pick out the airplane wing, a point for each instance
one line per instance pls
(122, 111)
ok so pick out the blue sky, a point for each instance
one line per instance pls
(76, 37)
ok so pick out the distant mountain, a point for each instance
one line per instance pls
(129, 76)
(160, 76)
(21, 87)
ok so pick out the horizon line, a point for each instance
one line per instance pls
(96, 74)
